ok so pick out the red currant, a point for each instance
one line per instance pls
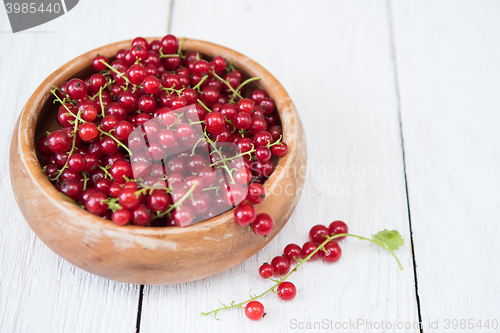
(281, 265)
(244, 215)
(331, 252)
(338, 227)
(263, 225)
(308, 248)
(266, 271)
(318, 233)
(287, 291)
(292, 252)
(254, 310)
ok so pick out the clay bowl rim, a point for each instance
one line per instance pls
(31, 113)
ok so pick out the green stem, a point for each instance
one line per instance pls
(100, 101)
(282, 279)
(228, 85)
(197, 87)
(179, 203)
(242, 85)
(206, 108)
(117, 72)
(75, 133)
(106, 172)
(181, 45)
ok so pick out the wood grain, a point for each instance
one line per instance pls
(39, 292)
(334, 59)
(447, 58)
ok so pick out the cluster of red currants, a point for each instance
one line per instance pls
(161, 137)
(280, 266)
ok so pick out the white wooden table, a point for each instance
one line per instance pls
(401, 106)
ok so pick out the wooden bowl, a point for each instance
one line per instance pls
(147, 255)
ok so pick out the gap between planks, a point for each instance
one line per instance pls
(398, 101)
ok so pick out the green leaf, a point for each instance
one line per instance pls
(392, 239)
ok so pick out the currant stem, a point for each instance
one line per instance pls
(178, 203)
(75, 133)
(100, 101)
(117, 72)
(242, 85)
(282, 279)
(197, 87)
(227, 84)
(106, 172)
(206, 107)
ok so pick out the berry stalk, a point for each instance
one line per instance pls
(384, 245)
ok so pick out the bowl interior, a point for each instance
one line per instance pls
(47, 122)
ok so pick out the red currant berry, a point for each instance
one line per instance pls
(76, 163)
(200, 203)
(292, 252)
(169, 44)
(43, 146)
(263, 154)
(256, 193)
(59, 141)
(308, 248)
(266, 271)
(141, 215)
(128, 100)
(183, 216)
(201, 67)
(287, 291)
(258, 95)
(88, 131)
(245, 105)
(242, 120)
(121, 217)
(108, 123)
(244, 215)
(97, 63)
(96, 82)
(136, 74)
(262, 139)
(262, 169)
(139, 51)
(76, 89)
(338, 227)
(103, 185)
(120, 169)
(219, 63)
(258, 124)
(281, 265)
(123, 129)
(151, 85)
(127, 198)
(263, 225)
(242, 176)
(209, 95)
(71, 188)
(332, 252)
(147, 103)
(280, 149)
(215, 122)
(159, 200)
(318, 233)
(254, 310)
(276, 132)
(95, 203)
(267, 104)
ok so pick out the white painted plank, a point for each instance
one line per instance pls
(449, 74)
(39, 292)
(334, 59)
